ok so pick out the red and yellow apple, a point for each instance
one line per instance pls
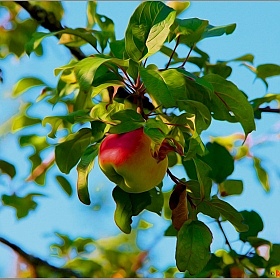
(126, 159)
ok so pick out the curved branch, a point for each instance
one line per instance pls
(37, 262)
(48, 21)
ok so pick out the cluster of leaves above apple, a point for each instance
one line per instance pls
(116, 91)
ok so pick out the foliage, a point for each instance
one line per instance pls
(116, 90)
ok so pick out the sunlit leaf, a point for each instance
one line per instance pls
(23, 121)
(25, 84)
(147, 29)
(261, 173)
(83, 168)
(178, 6)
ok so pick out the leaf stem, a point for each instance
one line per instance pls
(186, 59)
(170, 58)
(224, 234)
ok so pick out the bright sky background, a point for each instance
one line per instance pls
(257, 32)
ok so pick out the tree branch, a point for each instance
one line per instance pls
(37, 262)
(48, 21)
(269, 110)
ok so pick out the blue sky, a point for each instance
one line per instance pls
(257, 32)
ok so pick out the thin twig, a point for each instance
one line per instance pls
(269, 110)
(223, 232)
(186, 59)
(170, 58)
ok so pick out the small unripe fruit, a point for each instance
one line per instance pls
(126, 159)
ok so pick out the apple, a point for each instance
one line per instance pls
(126, 159)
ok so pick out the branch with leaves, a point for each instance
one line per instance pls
(47, 20)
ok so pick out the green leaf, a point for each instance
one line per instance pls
(193, 246)
(255, 223)
(139, 202)
(199, 171)
(129, 120)
(193, 30)
(85, 71)
(91, 12)
(36, 40)
(274, 256)
(261, 173)
(118, 49)
(268, 70)
(23, 121)
(230, 214)
(86, 267)
(220, 161)
(123, 212)
(157, 201)
(103, 111)
(231, 187)
(128, 205)
(64, 183)
(266, 99)
(84, 167)
(190, 30)
(68, 153)
(245, 57)
(213, 31)
(148, 29)
(23, 205)
(170, 231)
(178, 6)
(256, 241)
(64, 121)
(229, 103)
(7, 168)
(208, 209)
(77, 37)
(220, 69)
(166, 87)
(201, 112)
(14, 38)
(25, 84)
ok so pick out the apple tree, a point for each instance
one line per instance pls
(138, 120)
